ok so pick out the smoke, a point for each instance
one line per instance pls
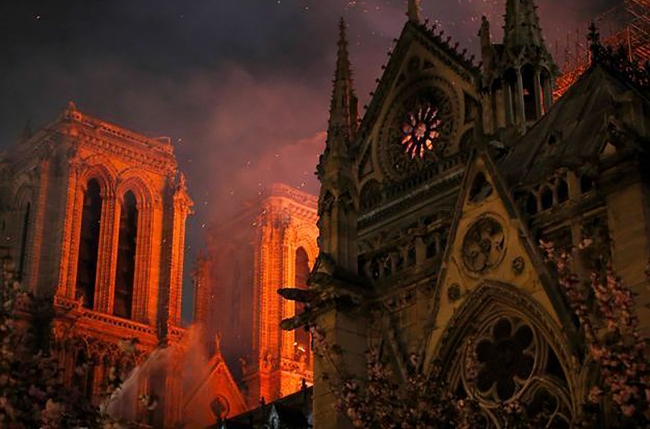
(241, 86)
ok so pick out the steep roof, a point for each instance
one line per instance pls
(574, 129)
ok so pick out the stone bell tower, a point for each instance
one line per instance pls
(95, 214)
(519, 74)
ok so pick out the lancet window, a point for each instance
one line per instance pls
(125, 270)
(302, 338)
(89, 244)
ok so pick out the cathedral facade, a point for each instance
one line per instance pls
(433, 204)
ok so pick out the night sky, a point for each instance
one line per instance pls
(241, 86)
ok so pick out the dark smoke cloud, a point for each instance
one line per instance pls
(241, 86)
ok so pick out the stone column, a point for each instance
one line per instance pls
(539, 109)
(107, 252)
(519, 100)
(288, 307)
(508, 105)
(182, 209)
(548, 94)
(500, 108)
(144, 290)
(34, 243)
(71, 233)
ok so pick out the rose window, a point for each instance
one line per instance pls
(417, 133)
(421, 131)
(505, 359)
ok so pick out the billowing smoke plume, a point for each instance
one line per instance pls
(241, 86)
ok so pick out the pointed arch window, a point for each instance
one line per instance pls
(302, 337)
(125, 270)
(529, 79)
(89, 244)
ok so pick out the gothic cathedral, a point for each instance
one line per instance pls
(433, 204)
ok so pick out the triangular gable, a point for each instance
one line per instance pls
(490, 256)
(418, 52)
(218, 384)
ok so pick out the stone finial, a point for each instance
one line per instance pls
(414, 12)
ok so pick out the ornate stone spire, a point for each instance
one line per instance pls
(415, 11)
(522, 24)
(338, 201)
(344, 106)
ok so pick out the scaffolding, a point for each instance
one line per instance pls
(627, 25)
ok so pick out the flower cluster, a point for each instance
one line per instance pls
(380, 401)
(32, 390)
(605, 308)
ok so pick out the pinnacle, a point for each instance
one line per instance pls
(414, 12)
(343, 105)
(522, 24)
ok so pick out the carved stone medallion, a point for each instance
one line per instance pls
(483, 245)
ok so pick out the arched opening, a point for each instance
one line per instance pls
(432, 247)
(125, 271)
(547, 198)
(531, 203)
(505, 353)
(302, 338)
(531, 108)
(23, 242)
(586, 184)
(510, 80)
(562, 191)
(89, 245)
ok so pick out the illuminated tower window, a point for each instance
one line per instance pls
(23, 242)
(89, 244)
(530, 88)
(302, 337)
(123, 298)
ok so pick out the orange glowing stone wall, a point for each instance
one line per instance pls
(95, 214)
(270, 245)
